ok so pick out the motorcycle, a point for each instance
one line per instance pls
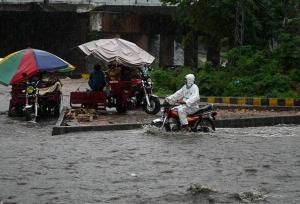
(142, 92)
(31, 99)
(201, 121)
(122, 94)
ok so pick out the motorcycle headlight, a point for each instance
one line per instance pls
(30, 89)
(149, 81)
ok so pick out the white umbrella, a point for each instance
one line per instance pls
(117, 51)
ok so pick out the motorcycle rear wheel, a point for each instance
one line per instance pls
(205, 125)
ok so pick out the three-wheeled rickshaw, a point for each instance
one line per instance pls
(31, 96)
(121, 93)
(35, 98)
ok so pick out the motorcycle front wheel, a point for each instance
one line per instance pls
(205, 125)
(154, 105)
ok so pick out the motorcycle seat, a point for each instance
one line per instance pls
(203, 109)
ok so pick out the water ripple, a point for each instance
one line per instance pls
(149, 165)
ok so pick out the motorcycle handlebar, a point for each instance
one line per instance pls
(167, 104)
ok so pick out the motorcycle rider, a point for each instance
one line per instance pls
(189, 98)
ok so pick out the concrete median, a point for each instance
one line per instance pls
(62, 128)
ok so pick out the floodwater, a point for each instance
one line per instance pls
(259, 165)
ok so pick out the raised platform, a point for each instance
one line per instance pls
(227, 118)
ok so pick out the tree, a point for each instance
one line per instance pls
(265, 21)
(212, 19)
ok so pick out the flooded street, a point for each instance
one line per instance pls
(259, 165)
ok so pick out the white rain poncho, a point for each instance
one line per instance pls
(189, 93)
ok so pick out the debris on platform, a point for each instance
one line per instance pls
(81, 114)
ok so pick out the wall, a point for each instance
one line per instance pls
(56, 32)
(107, 2)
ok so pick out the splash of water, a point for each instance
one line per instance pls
(152, 130)
(198, 188)
(251, 196)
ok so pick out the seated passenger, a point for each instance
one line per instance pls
(134, 74)
(53, 78)
(114, 73)
(97, 79)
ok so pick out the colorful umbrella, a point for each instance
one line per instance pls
(30, 61)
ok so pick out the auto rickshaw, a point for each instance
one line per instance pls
(34, 97)
(120, 92)
(31, 95)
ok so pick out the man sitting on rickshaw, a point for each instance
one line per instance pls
(114, 73)
(97, 79)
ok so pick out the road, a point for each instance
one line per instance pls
(148, 166)
(145, 166)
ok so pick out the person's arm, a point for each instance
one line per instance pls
(176, 96)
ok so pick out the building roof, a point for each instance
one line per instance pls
(145, 10)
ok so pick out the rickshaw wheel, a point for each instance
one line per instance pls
(56, 110)
(14, 110)
(120, 106)
(10, 109)
(27, 115)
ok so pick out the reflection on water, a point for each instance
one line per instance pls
(258, 165)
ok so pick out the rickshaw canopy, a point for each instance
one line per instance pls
(117, 51)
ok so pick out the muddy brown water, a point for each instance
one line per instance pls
(259, 165)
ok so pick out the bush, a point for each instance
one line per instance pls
(162, 79)
(249, 72)
(169, 80)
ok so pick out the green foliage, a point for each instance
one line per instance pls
(255, 73)
(163, 79)
(162, 92)
(169, 80)
(268, 64)
(288, 51)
